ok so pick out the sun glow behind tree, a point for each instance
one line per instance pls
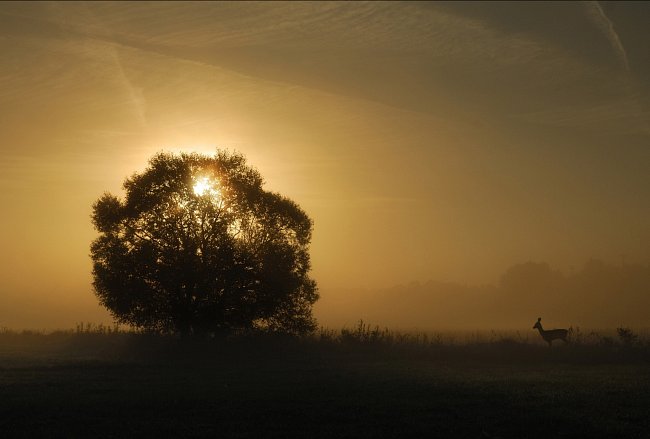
(198, 246)
(206, 186)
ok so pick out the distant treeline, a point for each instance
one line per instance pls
(599, 295)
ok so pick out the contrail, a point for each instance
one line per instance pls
(607, 27)
(136, 97)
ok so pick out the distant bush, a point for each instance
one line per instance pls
(627, 337)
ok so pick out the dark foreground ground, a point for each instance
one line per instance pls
(95, 386)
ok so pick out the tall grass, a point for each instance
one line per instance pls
(88, 341)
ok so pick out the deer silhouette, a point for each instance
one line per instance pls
(551, 334)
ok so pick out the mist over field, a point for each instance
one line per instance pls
(596, 295)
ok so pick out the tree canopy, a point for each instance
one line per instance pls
(197, 246)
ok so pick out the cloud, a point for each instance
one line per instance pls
(598, 16)
(48, 31)
(135, 94)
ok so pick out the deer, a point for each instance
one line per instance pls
(551, 334)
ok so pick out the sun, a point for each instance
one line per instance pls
(206, 187)
(201, 186)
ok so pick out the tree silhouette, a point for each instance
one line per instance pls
(198, 247)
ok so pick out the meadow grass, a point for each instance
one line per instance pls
(357, 382)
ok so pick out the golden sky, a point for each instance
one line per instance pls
(442, 141)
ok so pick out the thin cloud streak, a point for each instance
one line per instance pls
(607, 27)
(136, 96)
(107, 50)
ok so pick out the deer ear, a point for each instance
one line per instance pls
(539, 319)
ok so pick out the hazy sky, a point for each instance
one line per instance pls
(441, 141)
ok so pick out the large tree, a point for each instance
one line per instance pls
(197, 246)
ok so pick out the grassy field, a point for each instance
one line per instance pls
(358, 383)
